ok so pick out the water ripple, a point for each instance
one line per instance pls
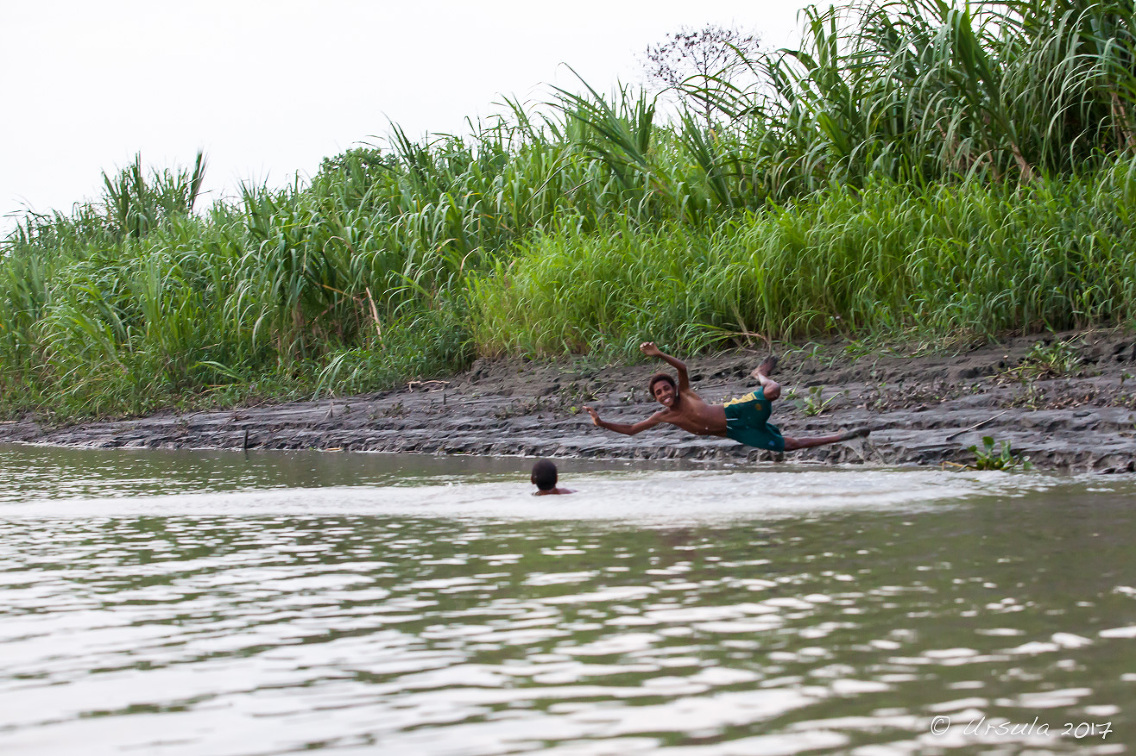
(190, 629)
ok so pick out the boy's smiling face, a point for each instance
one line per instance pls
(665, 394)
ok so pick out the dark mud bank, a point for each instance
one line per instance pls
(1068, 404)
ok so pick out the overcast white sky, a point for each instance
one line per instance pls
(270, 87)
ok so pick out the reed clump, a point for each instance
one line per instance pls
(971, 258)
(912, 168)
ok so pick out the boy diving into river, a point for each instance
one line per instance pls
(744, 420)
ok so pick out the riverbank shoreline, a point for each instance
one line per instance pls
(1065, 401)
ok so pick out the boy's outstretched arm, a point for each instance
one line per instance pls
(648, 348)
(627, 430)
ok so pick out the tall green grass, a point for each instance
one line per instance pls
(912, 167)
(925, 90)
(968, 260)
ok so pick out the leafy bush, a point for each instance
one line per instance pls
(1002, 458)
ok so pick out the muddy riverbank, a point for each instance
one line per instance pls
(1067, 402)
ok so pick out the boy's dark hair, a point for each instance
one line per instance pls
(660, 377)
(544, 474)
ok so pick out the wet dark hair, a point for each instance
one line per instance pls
(544, 474)
(660, 377)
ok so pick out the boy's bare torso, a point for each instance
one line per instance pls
(695, 416)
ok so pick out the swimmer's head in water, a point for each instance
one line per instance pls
(663, 389)
(544, 475)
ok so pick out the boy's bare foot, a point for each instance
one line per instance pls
(767, 366)
(855, 433)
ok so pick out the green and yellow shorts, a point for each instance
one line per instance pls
(747, 422)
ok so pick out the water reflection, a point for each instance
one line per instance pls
(833, 629)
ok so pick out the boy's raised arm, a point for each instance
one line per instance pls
(648, 348)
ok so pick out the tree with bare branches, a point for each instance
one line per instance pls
(690, 60)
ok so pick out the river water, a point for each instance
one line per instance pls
(228, 603)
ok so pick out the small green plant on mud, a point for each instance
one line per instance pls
(1031, 396)
(1001, 457)
(1047, 361)
(812, 404)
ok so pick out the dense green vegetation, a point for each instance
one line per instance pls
(915, 169)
